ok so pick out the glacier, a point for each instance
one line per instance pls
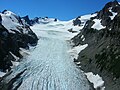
(49, 65)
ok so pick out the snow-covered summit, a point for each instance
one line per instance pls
(13, 22)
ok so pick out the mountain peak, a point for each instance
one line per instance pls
(4, 11)
(111, 4)
(26, 19)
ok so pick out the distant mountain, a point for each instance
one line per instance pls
(102, 34)
(37, 20)
(26, 20)
(14, 35)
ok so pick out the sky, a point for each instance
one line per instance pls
(61, 9)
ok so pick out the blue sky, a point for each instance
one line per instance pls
(61, 9)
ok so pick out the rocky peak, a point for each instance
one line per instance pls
(106, 16)
(111, 4)
(27, 20)
(109, 9)
(35, 20)
(4, 11)
(76, 22)
(55, 19)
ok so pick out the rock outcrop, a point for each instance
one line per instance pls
(76, 22)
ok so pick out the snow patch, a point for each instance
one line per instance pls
(78, 63)
(24, 52)
(82, 36)
(2, 74)
(114, 14)
(97, 25)
(76, 50)
(15, 64)
(83, 39)
(96, 80)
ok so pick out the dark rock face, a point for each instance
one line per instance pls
(0, 19)
(55, 20)
(27, 20)
(5, 63)
(19, 20)
(4, 11)
(103, 45)
(71, 30)
(35, 20)
(11, 43)
(76, 22)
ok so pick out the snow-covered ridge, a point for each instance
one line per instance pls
(13, 23)
(45, 23)
(85, 18)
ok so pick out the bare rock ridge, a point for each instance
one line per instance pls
(37, 20)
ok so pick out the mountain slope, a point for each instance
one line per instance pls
(13, 36)
(102, 34)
